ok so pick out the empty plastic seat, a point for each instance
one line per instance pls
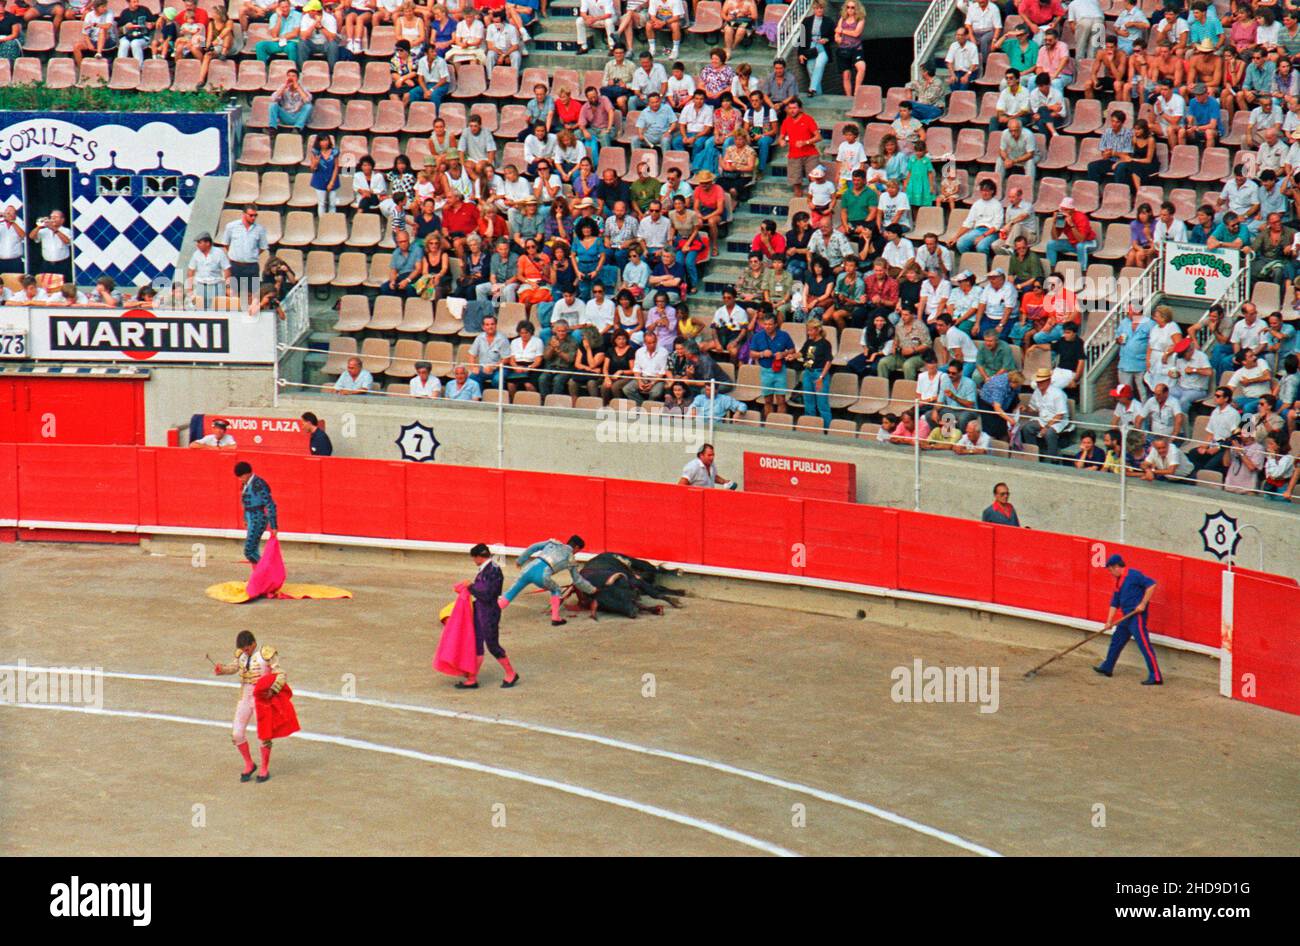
(961, 108)
(39, 37)
(326, 115)
(222, 75)
(251, 76)
(345, 81)
(1216, 166)
(504, 84)
(366, 229)
(154, 76)
(1089, 151)
(332, 230)
(256, 151)
(299, 228)
(708, 18)
(386, 314)
(354, 314)
(471, 81)
(375, 354)
(273, 190)
(1087, 119)
(125, 75)
(873, 396)
(1116, 243)
(377, 79)
(1116, 203)
(1060, 154)
(315, 77)
(93, 72)
(243, 188)
(1184, 161)
(406, 353)
(320, 268)
(350, 270)
(288, 150)
(417, 316)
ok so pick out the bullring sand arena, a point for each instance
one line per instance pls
(722, 728)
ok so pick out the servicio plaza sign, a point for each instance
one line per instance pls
(1193, 271)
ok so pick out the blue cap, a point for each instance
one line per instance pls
(1114, 560)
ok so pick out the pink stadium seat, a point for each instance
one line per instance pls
(708, 18)
(1060, 154)
(1116, 203)
(93, 72)
(530, 78)
(125, 75)
(276, 73)
(419, 121)
(383, 43)
(514, 118)
(222, 74)
(867, 102)
(1086, 195)
(488, 112)
(567, 78)
(1089, 151)
(346, 79)
(26, 70)
(970, 145)
(69, 35)
(390, 117)
(155, 76)
(39, 37)
(471, 81)
(315, 77)
(377, 79)
(326, 115)
(1051, 191)
(359, 116)
(504, 84)
(251, 76)
(1216, 166)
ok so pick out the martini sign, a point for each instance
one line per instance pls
(1195, 271)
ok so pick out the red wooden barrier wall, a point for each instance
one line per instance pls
(1041, 571)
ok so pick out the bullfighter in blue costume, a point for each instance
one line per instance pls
(540, 562)
(259, 509)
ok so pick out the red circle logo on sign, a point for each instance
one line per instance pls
(138, 314)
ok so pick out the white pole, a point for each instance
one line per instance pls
(501, 416)
(713, 393)
(1123, 480)
(1225, 630)
(916, 456)
(275, 378)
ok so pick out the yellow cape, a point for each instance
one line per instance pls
(233, 592)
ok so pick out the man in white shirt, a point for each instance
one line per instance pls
(1192, 375)
(1223, 421)
(356, 380)
(1254, 380)
(1013, 101)
(648, 77)
(217, 440)
(973, 440)
(1018, 220)
(984, 20)
(1128, 410)
(694, 131)
(702, 472)
(666, 15)
(1168, 226)
(433, 76)
(595, 15)
(650, 367)
(897, 251)
(1051, 410)
(56, 245)
(934, 294)
(1089, 27)
(1170, 107)
(963, 61)
(12, 237)
(1165, 461)
(569, 308)
(653, 228)
(1162, 415)
(504, 44)
(207, 278)
(1249, 332)
(980, 229)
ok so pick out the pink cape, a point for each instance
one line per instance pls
(456, 652)
(268, 574)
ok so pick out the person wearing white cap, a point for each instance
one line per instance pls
(1072, 232)
(1052, 414)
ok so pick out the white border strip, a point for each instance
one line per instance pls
(417, 545)
(796, 787)
(591, 794)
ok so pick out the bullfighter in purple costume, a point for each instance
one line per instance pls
(485, 589)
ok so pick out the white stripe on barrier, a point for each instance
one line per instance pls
(591, 794)
(775, 781)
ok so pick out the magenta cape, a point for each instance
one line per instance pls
(268, 574)
(456, 651)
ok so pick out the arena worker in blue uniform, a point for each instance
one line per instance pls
(1128, 615)
(259, 509)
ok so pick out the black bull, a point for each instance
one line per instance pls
(620, 581)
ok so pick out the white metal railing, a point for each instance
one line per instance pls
(928, 33)
(789, 29)
(1100, 342)
(297, 319)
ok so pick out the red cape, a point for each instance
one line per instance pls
(276, 717)
(456, 651)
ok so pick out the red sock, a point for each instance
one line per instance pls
(505, 665)
(266, 759)
(555, 608)
(248, 757)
